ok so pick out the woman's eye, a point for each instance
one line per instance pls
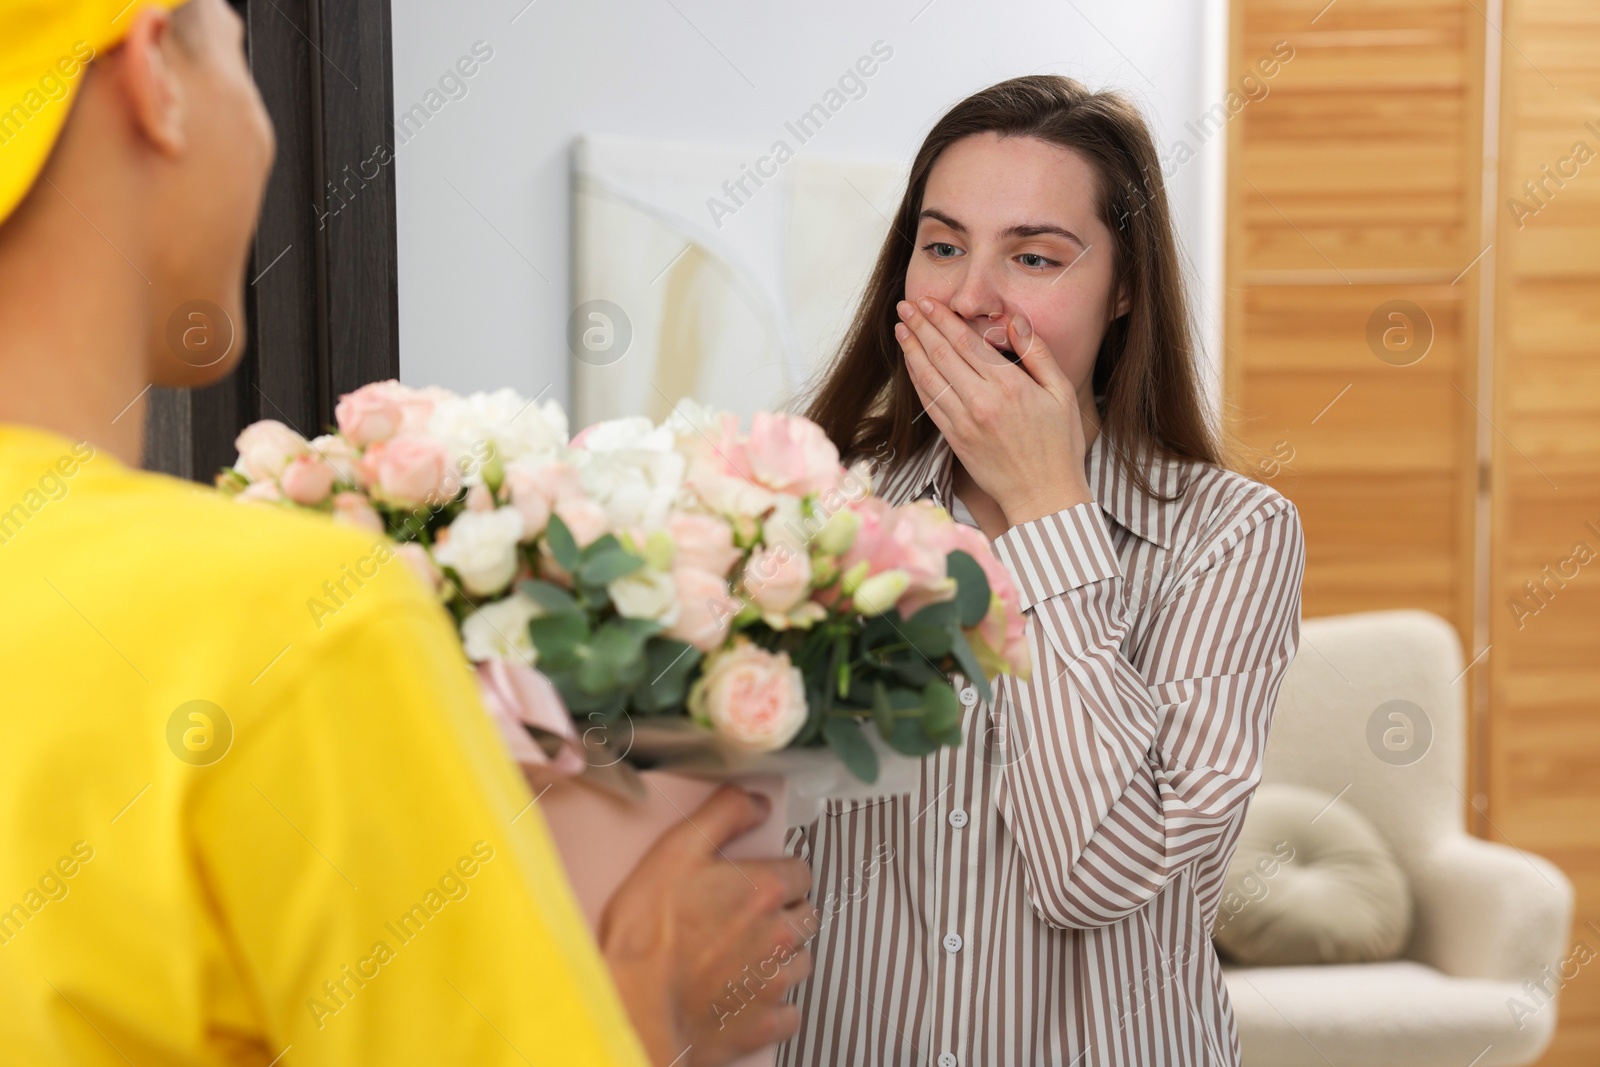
(941, 249)
(1033, 259)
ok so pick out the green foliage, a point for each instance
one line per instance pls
(972, 594)
(888, 674)
(850, 744)
(562, 546)
(669, 666)
(604, 562)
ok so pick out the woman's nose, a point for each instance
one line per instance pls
(979, 301)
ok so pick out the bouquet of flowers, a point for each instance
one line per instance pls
(693, 586)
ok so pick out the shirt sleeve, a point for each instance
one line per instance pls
(380, 877)
(1120, 778)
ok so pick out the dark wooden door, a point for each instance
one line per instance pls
(321, 299)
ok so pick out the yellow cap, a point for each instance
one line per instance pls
(44, 47)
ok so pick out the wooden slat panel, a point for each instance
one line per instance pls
(1544, 672)
(1357, 158)
(1371, 453)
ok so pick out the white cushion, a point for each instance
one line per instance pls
(1311, 882)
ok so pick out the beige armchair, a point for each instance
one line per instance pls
(1373, 712)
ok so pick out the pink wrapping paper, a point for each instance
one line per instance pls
(600, 835)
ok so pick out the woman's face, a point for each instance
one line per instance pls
(1009, 227)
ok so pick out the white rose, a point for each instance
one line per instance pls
(646, 594)
(499, 630)
(482, 549)
(692, 419)
(632, 468)
(337, 453)
(515, 426)
(266, 448)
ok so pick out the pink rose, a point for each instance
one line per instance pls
(261, 492)
(913, 538)
(535, 512)
(479, 498)
(266, 448)
(408, 470)
(352, 509)
(738, 473)
(702, 541)
(705, 608)
(535, 489)
(553, 480)
(792, 454)
(777, 578)
(725, 493)
(372, 413)
(922, 533)
(585, 519)
(755, 699)
(307, 480)
(416, 406)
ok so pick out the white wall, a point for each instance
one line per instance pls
(483, 185)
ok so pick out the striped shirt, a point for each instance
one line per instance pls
(1046, 895)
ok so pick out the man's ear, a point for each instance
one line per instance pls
(150, 86)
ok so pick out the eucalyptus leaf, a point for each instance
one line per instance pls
(910, 739)
(845, 737)
(940, 708)
(549, 596)
(972, 587)
(928, 642)
(643, 629)
(968, 660)
(603, 543)
(860, 693)
(916, 672)
(668, 664)
(941, 613)
(559, 639)
(562, 545)
(816, 714)
(882, 710)
(615, 660)
(606, 566)
(880, 630)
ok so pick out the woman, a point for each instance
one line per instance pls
(1023, 357)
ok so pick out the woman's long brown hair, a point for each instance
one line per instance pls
(1145, 368)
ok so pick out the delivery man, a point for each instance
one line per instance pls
(230, 832)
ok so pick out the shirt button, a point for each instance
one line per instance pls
(969, 696)
(952, 942)
(947, 1059)
(958, 818)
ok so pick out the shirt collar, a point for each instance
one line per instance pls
(1107, 465)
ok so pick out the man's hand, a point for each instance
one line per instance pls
(704, 949)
